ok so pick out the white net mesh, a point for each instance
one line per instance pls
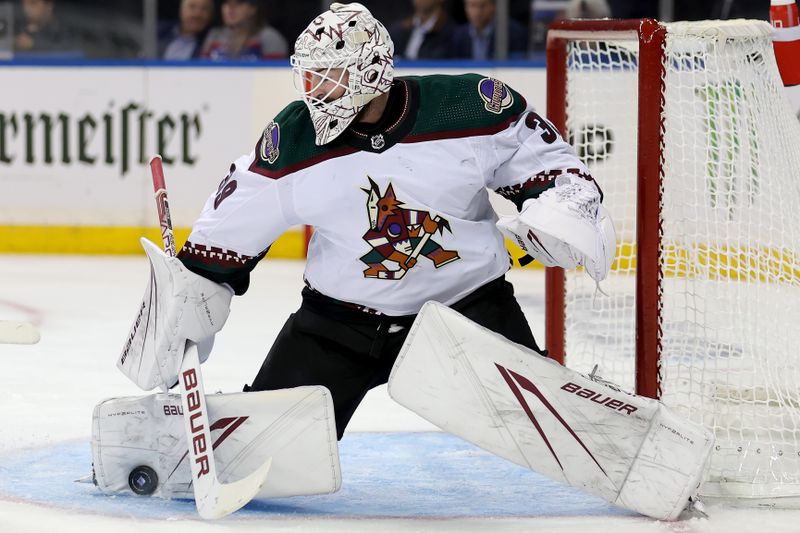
(730, 291)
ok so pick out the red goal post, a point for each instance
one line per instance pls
(651, 37)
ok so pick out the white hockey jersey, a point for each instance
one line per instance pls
(401, 212)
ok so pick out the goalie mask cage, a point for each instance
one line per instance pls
(685, 128)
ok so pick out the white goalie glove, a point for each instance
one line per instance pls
(178, 305)
(566, 226)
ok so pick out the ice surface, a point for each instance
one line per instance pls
(393, 480)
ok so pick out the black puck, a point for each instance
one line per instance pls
(143, 480)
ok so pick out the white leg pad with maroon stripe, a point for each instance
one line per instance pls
(510, 401)
(295, 427)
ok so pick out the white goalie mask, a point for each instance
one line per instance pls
(344, 50)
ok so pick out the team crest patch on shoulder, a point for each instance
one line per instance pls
(270, 140)
(495, 94)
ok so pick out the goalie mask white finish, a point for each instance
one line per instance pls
(344, 50)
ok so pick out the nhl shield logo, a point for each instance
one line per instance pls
(269, 142)
(377, 141)
(495, 94)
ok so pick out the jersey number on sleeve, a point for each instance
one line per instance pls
(226, 188)
(535, 120)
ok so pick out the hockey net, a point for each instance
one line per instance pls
(686, 129)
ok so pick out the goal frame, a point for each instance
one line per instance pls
(651, 36)
(688, 121)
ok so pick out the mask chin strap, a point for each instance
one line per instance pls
(360, 100)
(358, 37)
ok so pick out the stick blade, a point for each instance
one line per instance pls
(14, 332)
(223, 499)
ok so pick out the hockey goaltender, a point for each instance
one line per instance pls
(404, 284)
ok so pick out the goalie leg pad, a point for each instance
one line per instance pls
(510, 401)
(295, 427)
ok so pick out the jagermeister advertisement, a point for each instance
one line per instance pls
(75, 142)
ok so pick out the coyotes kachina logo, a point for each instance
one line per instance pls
(398, 236)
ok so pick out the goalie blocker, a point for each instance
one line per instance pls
(178, 306)
(507, 399)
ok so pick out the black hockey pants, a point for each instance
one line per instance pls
(331, 343)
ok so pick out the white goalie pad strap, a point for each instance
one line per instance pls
(507, 399)
(599, 264)
(14, 332)
(178, 305)
(295, 427)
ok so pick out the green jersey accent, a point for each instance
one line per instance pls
(295, 146)
(456, 106)
(436, 107)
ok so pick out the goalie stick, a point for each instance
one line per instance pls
(14, 332)
(213, 498)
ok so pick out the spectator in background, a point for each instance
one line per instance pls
(748, 9)
(245, 34)
(427, 34)
(588, 9)
(39, 30)
(628, 9)
(475, 39)
(184, 39)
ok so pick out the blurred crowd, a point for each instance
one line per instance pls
(249, 30)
